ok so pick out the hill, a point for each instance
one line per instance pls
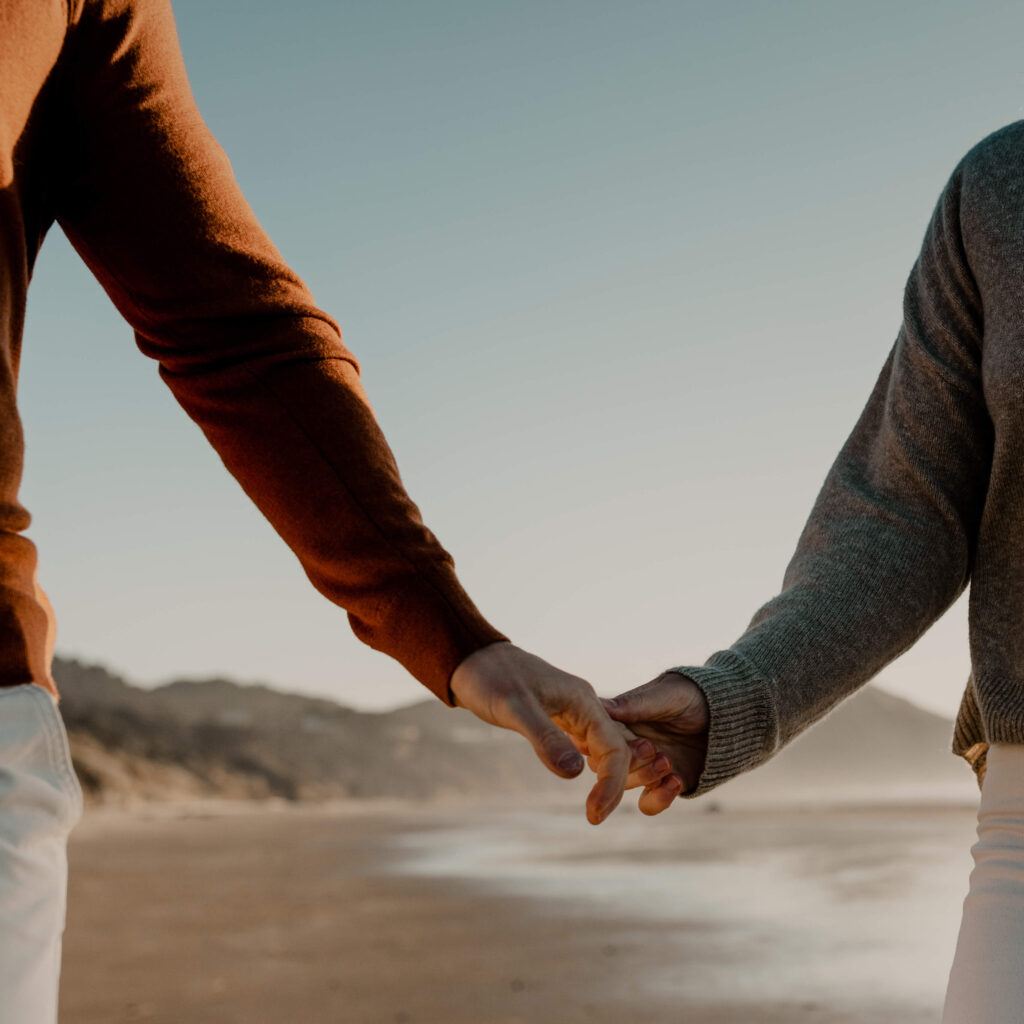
(219, 738)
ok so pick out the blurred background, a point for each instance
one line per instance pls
(620, 278)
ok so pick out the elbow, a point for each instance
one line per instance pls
(186, 346)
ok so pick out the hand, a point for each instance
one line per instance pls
(508, 687)
(672, 712)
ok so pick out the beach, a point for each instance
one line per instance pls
(475, 914)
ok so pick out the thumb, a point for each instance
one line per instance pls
(654, 701)
(551, 745)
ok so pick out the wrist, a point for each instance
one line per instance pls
(693, 707)
(743, 724)
(462, 675)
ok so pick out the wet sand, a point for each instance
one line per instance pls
(317, 917)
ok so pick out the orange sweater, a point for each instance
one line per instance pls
(99, 132)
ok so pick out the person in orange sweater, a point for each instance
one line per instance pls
(100, 134)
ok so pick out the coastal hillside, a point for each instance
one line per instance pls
(219, 738)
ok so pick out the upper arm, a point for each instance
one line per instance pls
(892, 538)
(917, 460)
(151, 203)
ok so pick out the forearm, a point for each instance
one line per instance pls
(890, 542)
(297, 435)
(851, 603)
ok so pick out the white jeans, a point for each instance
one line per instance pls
(986, 983)
(40, 803)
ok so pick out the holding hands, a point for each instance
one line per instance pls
(654, 736)
(557, 712)
(672, 713)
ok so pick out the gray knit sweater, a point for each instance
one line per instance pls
(926, 495)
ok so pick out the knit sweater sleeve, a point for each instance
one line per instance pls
(149, 200)
(890, 540)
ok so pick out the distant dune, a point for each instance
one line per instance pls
(218, 738)
(874, 747)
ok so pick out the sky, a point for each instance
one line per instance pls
(620, 278)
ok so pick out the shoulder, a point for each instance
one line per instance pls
(985, 194)
(993, 168)
(1004, 142)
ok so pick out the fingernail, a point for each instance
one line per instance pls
(645, 748)
(571, 761)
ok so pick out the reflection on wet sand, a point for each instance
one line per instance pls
(477, 916)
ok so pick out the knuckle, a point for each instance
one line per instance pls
(582, 694)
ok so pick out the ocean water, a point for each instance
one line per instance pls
(851, 914)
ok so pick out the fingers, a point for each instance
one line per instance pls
(650, 774)
(558, 713)
(672, 697)
(611, 756)
(551, 745)
(659, 797)
(605, 743)
(646, 768)
(648, 703)
(641, 748)
(641, 752)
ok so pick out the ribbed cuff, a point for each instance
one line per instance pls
(1000, 709)
(969, 732)
(744, 724)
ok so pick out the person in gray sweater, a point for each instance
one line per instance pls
(925, 496)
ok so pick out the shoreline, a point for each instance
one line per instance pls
(125, 809)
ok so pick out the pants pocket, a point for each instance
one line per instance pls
(61, 753)
(34, 743)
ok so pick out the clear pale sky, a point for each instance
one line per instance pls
(620, 278)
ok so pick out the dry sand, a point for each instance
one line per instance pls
(280, 918)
